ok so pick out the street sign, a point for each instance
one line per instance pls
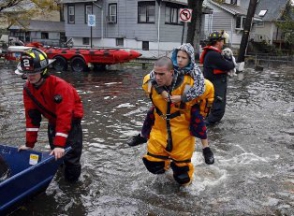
(91, 20)
(185, 14)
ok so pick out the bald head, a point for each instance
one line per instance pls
(163, 71)
(164, 62)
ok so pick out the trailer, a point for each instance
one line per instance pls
(78, 59)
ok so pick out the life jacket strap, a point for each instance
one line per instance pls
(167, 116)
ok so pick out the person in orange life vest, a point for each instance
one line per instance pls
(183, 59)
(56, 100)
(170, 144)
(215, 69)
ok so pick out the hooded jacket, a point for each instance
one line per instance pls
(191, 69)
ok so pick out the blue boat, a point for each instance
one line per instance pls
(29, 174)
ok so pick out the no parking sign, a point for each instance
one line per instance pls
(185, 14)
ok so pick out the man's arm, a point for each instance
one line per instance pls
(217, 61)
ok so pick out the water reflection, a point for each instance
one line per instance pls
(253, 145)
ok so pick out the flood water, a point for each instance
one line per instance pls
(253, 145)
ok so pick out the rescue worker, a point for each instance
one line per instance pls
(183, 59)
(170, 142)
(215, 69)
(56, 100)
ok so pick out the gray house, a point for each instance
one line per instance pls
(269, 12)
(151, 26)
(230, 16)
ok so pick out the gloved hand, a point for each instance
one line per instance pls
(208, 156)
(58, 152)
(23, 147)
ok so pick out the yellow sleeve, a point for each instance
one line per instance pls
(209, 90)
(206, 99)
(147, 84)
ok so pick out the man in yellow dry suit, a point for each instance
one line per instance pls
(170, 143)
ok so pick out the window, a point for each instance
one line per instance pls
(146, 12)
(112, 13)
(259, 23)
(44, 35)
(262, 13)
(86, 41)
(71, 14)
(171, 15)
(145, 45)
(119, 42)
(240, 22)
(88, 10)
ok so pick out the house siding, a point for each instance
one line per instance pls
(223, 20)
(80, 28)
(126, 27)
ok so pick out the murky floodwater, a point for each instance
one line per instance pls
(253, 173)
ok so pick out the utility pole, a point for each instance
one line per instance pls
(247, 28)
(194, 27)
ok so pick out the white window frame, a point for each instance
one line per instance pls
(172, 15)
(71, 14)
(88, 10)
(112, 13)
(242, 22)
(146, 12)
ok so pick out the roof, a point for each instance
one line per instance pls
(274, 9)
(38, 25)
(233, 9)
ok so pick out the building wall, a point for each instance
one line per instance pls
(223, 20)
(80, 28)
(127, 28)
(264, 33)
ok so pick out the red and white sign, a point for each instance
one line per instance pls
(185, 14)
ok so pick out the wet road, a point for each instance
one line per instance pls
(253, 145)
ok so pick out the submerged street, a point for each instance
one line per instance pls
(253, 172)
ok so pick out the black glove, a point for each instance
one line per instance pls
(136, 140)
(208, 156)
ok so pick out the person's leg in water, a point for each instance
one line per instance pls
(72, 165)
(199, 130)
(217, 111)
(145, 131)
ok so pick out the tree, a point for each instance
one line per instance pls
(195, 25)
(286, 24)
(20, 11)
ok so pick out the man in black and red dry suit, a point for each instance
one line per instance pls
(215, 69)
(58, 101)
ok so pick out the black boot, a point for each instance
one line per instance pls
(208, 156)
(136, 140)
